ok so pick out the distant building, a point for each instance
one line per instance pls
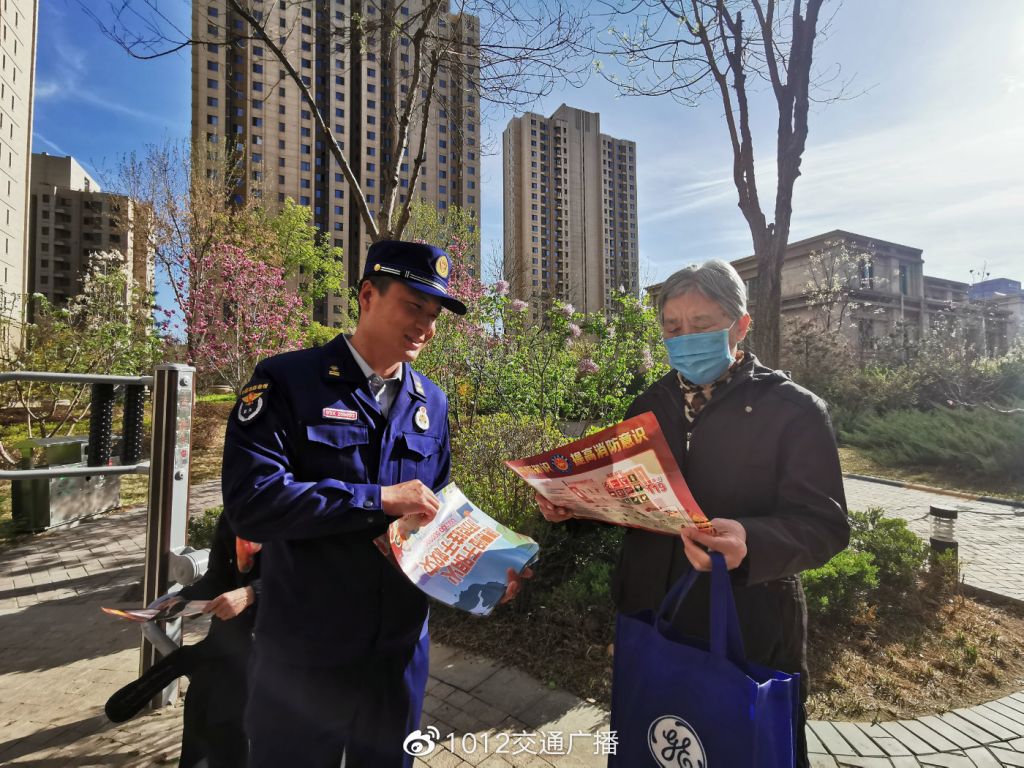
(245, 106)
(73, 218)
(887, 296)
(570, 228)
(17, 88)
(999, 286)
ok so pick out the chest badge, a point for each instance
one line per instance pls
(339, 414)
(421, 419)
(333, 371)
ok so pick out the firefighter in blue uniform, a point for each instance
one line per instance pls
(324, 448)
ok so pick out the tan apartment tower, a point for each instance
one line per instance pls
(243, 102)
(569, 210)
(17, 86)
(72, 218)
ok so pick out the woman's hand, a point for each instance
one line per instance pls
(730, 538)
(552, 513)
(230, 604)
(515, 584)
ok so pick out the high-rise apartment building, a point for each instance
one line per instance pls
(244, 103)
(570, 210)
(17, 85)
(71, 219)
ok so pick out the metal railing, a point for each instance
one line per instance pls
(173, 394)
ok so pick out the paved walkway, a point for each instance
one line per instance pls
(61, 659)
(991, 536)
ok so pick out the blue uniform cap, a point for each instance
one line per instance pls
(423, 267)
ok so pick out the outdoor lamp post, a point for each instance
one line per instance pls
(943, 533)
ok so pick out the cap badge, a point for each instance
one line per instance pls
(441, 266)
(422, 421)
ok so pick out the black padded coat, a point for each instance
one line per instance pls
(761, 451)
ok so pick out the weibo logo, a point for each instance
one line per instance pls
(675, 744)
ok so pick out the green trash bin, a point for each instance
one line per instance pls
(43, 503)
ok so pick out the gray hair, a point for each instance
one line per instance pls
(715, 279)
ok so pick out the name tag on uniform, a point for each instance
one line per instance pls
(340, 415)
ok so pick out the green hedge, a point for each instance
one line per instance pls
(980, 441)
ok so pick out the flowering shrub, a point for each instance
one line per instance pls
(244, 313)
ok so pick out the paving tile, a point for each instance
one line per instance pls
(968, 728)
(959, 738)
(863, 762)
(859, 740)
(905, 762)
(907, 739)
(466, 673)
(938, 742)
(1013, 718)
(892, 746)
(823, 761)
(1006, 757)
(1013, 703)
(510, 690)
(982, 758)
(947, 760)
(995, 712)
(813, 745)
(831, 738)
(984, 721)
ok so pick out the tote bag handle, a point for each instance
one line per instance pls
(726, 639)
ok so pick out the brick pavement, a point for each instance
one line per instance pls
(61, 659)
(991, 536)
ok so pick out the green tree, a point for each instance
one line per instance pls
(306, 255)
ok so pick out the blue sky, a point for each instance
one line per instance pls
(929, 154)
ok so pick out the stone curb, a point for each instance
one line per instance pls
(1017, 506)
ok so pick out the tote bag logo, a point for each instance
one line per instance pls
(675, 744)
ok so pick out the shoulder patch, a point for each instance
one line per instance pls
(251, 402)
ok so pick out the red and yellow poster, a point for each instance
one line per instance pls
(623, 475)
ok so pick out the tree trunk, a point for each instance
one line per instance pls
(769, 250)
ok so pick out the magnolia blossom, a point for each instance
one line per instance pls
(646, 361)
(586, 367)
(501, 287)
(575, 330)
(519, 306)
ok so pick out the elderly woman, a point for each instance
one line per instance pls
(759, 456)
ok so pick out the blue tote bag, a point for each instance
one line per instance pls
(678, 703)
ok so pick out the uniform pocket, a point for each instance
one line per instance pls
(334, 450)
(338, 435)
(419, 456)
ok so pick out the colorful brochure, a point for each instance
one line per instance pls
(176, 610)
(623, 475)
(462, 556)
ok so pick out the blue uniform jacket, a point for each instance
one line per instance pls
(306, 453)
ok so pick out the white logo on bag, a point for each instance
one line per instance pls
(420, 743)
(675, 744)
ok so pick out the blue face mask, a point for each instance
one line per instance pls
(700, 357)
